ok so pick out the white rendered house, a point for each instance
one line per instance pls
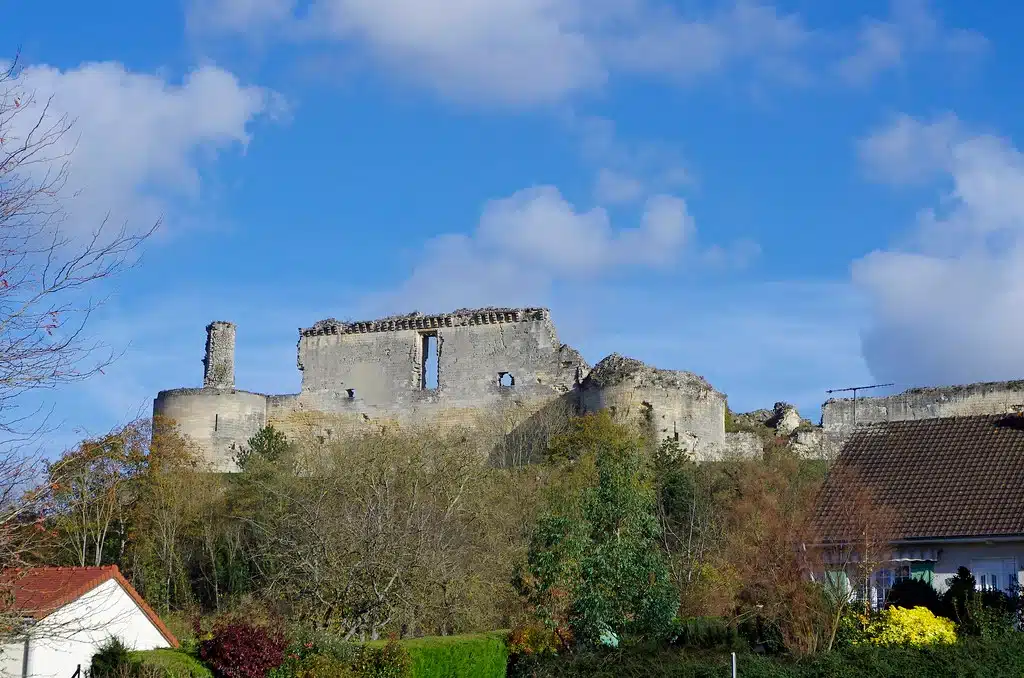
(955, 488)
(68, 613)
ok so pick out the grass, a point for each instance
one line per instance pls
(479, 655)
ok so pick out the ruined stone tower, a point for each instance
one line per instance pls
(219, 362)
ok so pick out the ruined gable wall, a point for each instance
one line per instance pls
(381, 361)
(924, 403)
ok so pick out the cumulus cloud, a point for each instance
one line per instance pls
(522, 52)
(661, 42)
(911, 29)
(534, 239)
(136, 140)
(628, 170)
(943, 305)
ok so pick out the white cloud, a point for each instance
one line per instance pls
(908, 151)
(137, 140)
(912, 29)
(539, 228)
(628, 170)
(738, 254)
(662, 42)
(944, 305)
(522, 52)
(250, 16)
(534, 239)
(616, 187)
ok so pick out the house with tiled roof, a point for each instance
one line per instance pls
(64, 615)
(953, 489)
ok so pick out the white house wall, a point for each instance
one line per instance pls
(12, 656)
(70, 636)
(952, 556)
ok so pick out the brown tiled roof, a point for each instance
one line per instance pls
(38, 592)
(948, 477)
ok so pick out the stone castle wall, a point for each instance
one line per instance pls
(215, 419)
(496, 370)
(669, 404)
(219, 363)
(839, 415)
(493, 366)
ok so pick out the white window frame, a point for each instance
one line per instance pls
(995, 574)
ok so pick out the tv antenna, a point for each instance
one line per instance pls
(855, 389)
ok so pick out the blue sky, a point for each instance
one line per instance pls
(784, 198)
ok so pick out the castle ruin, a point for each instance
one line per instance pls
(459, 368)
(451, 369)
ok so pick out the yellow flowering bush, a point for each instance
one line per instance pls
(910, 626)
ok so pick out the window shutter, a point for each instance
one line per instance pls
(923, 570)
(839, 580)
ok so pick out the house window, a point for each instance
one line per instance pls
(901, 573)
(995, 574)
(882, 585)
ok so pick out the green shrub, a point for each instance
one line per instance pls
(911, 593)
(113, 660)
(706, 633)
(979, 613)
(314, 665)
(170, 664)
(976, 658)
(390, 660)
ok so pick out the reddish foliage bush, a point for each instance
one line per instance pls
(240, 650)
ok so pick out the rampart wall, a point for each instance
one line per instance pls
(840, 415)
(497, 368)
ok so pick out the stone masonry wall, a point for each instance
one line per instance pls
(214, 419)
(357, 375)
(669, 403)
(924, 403)
(219, 363)
(381, 362)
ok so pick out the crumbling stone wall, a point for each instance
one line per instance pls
(669, 404)
(381, 363)
(219, 363)
(839, 414)
(361, 374)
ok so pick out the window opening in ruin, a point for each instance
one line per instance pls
(216, 420)
(506, 379)
(428, 366)
(351, 393)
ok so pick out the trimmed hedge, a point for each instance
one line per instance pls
(171, 664)
(966, 659)
(482, 655)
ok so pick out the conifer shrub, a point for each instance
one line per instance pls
(911, 593)
(113, 660)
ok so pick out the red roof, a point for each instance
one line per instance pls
(40, 591)
(943, 478)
